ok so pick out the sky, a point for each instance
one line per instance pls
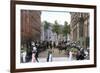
(51, 16)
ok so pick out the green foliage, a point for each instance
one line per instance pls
(56, 28)
(46, 25)
(74, 49)
(66, 29)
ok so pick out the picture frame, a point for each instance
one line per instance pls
(16, 21)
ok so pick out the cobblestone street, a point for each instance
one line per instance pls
(55, 53)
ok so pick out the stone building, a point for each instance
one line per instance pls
(30, 25)
(48, 34)
(80, 28)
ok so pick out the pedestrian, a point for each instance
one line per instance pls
(50, 44)
(49, 57)
(33, 57)
(80, 55)
(24, 56)
(70, 55)
(36, 55)
(34, 52)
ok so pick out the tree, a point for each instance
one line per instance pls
(46, 25)
(56, 28)
(66, 29)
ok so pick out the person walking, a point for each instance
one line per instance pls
(49, 57)
(34, 53)
(33, 57)
(70, 55)
(24, 56)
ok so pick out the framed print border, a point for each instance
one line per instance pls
(13, 35)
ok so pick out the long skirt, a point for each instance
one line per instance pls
(33, 57)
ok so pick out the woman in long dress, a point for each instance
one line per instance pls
(33, 52)
(33, 57)
(24, 56)
(70, 55)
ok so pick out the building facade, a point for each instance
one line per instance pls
(48, 34)
(30, 25)
(80, 28)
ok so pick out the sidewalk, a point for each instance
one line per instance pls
(55, 53)
(55, 59)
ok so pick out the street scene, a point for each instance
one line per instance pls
(53, 36)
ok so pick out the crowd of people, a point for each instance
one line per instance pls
(32, 53)
(38, 47)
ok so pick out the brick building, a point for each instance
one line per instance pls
(30, 25)
(80, 28)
